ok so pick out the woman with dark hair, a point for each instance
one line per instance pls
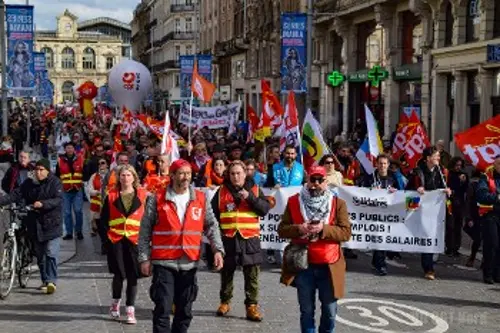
(458, 182)
(334, 178)
(216, 176)
(472, 225)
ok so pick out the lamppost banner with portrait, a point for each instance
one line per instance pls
(293, 52)
(20, 60)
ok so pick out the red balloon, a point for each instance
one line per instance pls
(88, 90)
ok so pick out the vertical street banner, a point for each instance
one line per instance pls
(20, 61)
(187, 63)
(40, 74)
(293, 52)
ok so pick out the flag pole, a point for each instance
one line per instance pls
(190, 119)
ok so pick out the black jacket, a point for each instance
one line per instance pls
(240, 251)
(45, 223)
(375, 180)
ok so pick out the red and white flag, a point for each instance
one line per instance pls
(168, 144)
(289, 132)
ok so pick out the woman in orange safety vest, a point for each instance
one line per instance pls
(122, 212)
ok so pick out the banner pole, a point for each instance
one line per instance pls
(190, 120)
(3, 59)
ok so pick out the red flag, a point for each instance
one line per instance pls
(253, 122)
(481, 143)
(410, 142)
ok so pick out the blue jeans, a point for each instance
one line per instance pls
(378, 260)
(307, 281)
(47, 254)
(427, 262)
(73, 201)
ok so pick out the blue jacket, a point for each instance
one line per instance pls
(483, 194)
(286, 178)
(259, 178)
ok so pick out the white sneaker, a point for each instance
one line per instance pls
(130, 316)
(114, 310)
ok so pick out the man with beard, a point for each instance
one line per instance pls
(349, 166)
(289, 172)
(238, 204)
(316, 218)
(170, 247)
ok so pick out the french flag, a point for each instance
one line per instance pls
(365, 157)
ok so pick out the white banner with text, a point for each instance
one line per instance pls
(403, 221)
(212, 117)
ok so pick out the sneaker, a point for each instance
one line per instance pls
(223, 309)
(43, 287)
(68, 237)
(130, 315)
(271, 259)
(382, 271)
(79, 235)
(431, 276)
(51, 288)
(114, 310)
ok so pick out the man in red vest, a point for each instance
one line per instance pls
(488, 201)
(170, 247)
(239, 204)
(319, 220)
(70, 170)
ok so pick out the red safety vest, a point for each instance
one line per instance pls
(125, 226)
(322, 251)
(71, 180)
(172, 239)
(492, 186)
(239, 218)
(96, 200)
(154, 183)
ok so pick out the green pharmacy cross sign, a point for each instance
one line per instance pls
(377, 74)
(336, 78)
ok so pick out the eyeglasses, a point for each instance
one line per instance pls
(319, 180)
(329, 162)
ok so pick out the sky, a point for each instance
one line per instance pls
(46, 11)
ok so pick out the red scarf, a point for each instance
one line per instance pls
(216, 179)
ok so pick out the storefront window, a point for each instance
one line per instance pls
(473, 23)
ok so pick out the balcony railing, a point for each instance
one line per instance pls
(182, 8)
(178, 35)
(169, 64)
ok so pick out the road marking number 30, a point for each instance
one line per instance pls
(391, 311)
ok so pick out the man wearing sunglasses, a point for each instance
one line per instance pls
(316, 218)
(44, 224)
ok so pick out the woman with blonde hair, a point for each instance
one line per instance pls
(123, 210)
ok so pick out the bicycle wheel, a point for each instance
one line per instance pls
(8, 268)
(24, 266)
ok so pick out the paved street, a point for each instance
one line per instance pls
(401, 302)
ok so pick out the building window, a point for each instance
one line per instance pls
(67, 91)
(178, 25)
(189, 50)
(109, 63)
(189, 24)
(496, 29)
(88, 58)
(177, 52)
(68, 58)
(49, 57)
(473, 23)
(448, 33)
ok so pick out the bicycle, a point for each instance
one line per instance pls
(18, 251)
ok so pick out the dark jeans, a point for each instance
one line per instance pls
(47, 254)
(251, 283)
(427, 262)
(173, 287)
(130, 293)
(73, 201)
(491, 246)
(307, 281)
(378, 259)
(454, 225)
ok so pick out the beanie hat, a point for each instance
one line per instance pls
(44, 163)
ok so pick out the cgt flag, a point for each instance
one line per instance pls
(481, 143)
(200, 87)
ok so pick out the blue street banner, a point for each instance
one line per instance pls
(104, 96)
(187, 63)
(20, 63)
(293, 52)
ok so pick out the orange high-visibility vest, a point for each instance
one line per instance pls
(492, 186)
(321, 251)
(112, 180)
(239, 218)
(72, 179)
(125, 226)
(96, 200)
(172, 239)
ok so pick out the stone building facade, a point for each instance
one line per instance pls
(74, 57)
(434, 56)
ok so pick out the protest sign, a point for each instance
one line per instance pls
(211, 117)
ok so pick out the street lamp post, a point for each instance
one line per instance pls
(309, 53)
(3, 59)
